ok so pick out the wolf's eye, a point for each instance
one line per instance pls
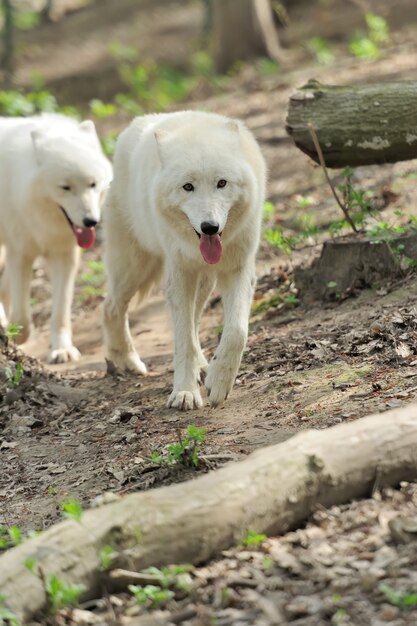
(188, 187)
(93, 185)
(66, 187)
(222, 183)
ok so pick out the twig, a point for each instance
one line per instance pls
(323, 164)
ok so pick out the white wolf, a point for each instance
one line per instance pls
(186, 200)
(53, 179)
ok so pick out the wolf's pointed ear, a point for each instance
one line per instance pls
(160, 135)
(233, 126)
(88, 127)
(37, 135)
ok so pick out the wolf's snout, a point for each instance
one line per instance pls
(89, 223)
(209, 228)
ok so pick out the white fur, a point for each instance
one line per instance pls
(38, 156)
(149, 227)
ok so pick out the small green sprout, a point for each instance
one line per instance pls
(106, 556)
(321, 49)
(172, 576)
(60, 594)
(185, 452)
(253, 538)
(268, 211)
(30, 565)
(10, 536)
(72, 509)
(13, 330)
(150, 595)
(401, 599)
(14, 374)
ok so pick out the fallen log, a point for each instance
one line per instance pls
(271, 491)
(355, 125)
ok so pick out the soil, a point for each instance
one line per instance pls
(306, 366)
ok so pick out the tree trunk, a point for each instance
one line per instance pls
(7, 60)
(271, 491)
(243, 30)
(356, 125)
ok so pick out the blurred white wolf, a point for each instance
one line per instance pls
(53, 179)
(186, 201)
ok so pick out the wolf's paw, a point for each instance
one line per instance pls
(219, 381)
(129, 362)
(63, 355)
(185, 400)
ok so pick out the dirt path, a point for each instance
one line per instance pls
(304, 367)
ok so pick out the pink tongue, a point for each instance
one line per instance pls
(85, 236)
(211, 248)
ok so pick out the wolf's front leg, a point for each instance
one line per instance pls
(181, 287)
(237, 292)
(63, 269)
(18, 273)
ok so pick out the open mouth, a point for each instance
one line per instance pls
(85, 236)
(210, 247)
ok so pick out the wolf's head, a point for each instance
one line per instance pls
(74, 174)
(205, 184)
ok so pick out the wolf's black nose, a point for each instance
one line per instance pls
(89, 223)
(209, 228)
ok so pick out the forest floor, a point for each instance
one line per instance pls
(306, 366)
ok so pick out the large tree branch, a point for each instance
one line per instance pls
(356, 125)
(271, 491)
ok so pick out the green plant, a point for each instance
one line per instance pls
(267, 563)
(150, 595)
(10, 536)
(277, 238)
(14, 374)
(268, 211)
(15, 103)
(106, 556)
(102, 110)
(172, 576)
(72, 509)
(13, 330)
(253, 538)
(108, 143)
(304, 202)
(93, 280)
(26, 20)
(204, 72)
(369, 46)
(30, 565)
(267, 67)
(186, 451)
(275, 301)
(401, 599)
(321, 50)
(60, 594)
(155, 86)
(7, 617)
